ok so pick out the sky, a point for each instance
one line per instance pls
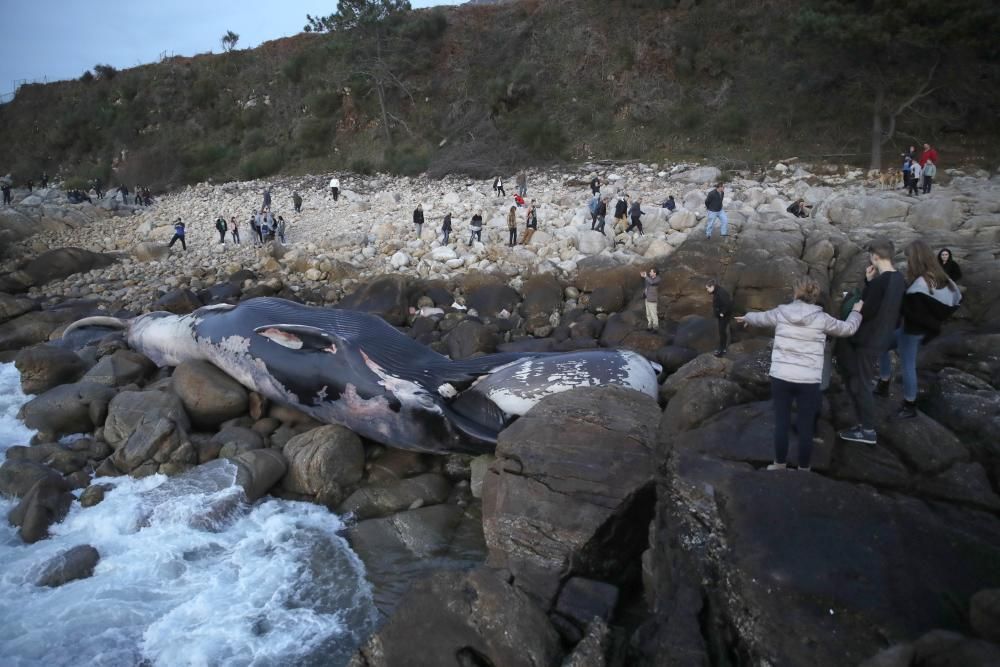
(62, 39)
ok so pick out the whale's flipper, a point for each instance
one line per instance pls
(300, 337)
(480, 409)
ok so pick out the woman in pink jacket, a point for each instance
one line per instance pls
(800, 331)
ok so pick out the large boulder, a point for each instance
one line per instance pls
(419, 533)
(469, 338)
(489, 298)
(258, 471)
(700, 399)
(14, 306)
(75, 563)
(178, 301)
(570, 490)
(46, 503)
(121, 368)
(323, 464)
(386, 296)
(37, 326)
(542, 296)
(381, 499)
(55, 265)
(17, 476)
(149, 430)
(970, 407)
(459, 618)
(698, 176)
(210, 397)
(43, 367)
(67, 409)
(150, 251)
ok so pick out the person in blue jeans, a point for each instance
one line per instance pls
(930, 299)
(713, 202)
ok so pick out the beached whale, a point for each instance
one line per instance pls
(355, 369)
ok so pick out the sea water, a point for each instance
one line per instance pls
(181, 581)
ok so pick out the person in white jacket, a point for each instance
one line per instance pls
(800, 331)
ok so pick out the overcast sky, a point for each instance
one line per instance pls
(64, 38)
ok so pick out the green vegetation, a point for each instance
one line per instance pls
(473, 89)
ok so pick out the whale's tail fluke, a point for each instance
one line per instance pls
(96, 321)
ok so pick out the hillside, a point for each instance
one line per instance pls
(471, 88)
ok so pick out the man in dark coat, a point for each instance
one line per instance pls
(722, 310)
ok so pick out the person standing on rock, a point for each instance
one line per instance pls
(595, 203)
(446, 228)
(930, 299)
(930, 171)
(522, 183)
(234, 230)
(602, 213)
(512, 227)
(221, 227)
(45, 179)
(280, 228)
(297, 202)
(123, 190)
(178, 235)
(256, 220)
(636, 213)
(498, 187)
(6, 193)
(335, 188)
(652, 295)
(722, 310)
(531, 224)
(800, 331)
(621, 212)
(907, 169)
(799, 208)
(267, 198)
(857, 355)
(418, 219)
(476, 227)
(915, 174)
(595, 186)
(713, 202)
(929, 155)
(950, 266)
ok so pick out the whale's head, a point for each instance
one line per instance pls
(164, 338)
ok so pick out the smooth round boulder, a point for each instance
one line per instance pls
(44, 366)
(210, 397)
(121, 368)
(178, 302)
(469, 338)
(46, 503)
(323, 463)
(66, 409)
(607, 299)
(76, 563)
(258, 471)
(17, 476)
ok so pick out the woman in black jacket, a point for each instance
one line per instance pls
(930, 299)
(949, 264)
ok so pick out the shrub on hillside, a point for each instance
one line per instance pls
(407, 160)
(314, 136)
(105, 72)
(262, 162)
(323, 104)
(542, 136)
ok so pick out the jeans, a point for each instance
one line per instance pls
(222, 235)
(857, 365)
(447, 233)
(710, 225)
(175, 239)
(928, 181)
(807, 400)
(236, 236)
(420, 228)
(635, 225)
(522, 190)
(512, 237)
(477, 235)
(907, 346)
(600, 225)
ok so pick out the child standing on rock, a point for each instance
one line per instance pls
(800, 331)
(512, 227)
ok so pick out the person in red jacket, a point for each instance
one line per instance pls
(928, 154)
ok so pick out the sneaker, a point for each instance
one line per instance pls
(858, 434)
(720, 353)
(778, 466)
(882, 388)
(908, 411)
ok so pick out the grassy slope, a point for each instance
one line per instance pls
(507, 84)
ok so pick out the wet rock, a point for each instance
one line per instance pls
(570, 474)
(258, 471)
(14, 306)
(148, 429)
(76, 563)
(593, 649)
(386, 296)
(121, 368)
(210, 397)
(381, 499)
(66, 409)
(94, 494)
(420, 533)
(477, 473)
(470, 338)
(46, 503)
(17, 476)
(474, 618)
(985, 614)
(233, 441)
(581, 601)
(323, 463)
(43, 367)
(54, 455)
(178, 301)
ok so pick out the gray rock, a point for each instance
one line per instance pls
(43, 367)
(984, 614)
(258, 471)
(18, 476)
(231, 442)
(67, 408)
(178, 301)
(420, 533)
(148, 429)
(470, 338)
(582, 600)
(323, 463)
(700, 399)
(210, 397)
(76, 563)
(46, 503)
(381, 499)
(387, 297)
(592, 650)
(121, 368)
(94, 494)
(477, 473)
(14, 306)
(396, 464)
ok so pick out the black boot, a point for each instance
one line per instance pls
(882, 388)
(908, 411)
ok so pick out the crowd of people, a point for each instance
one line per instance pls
(919, 171)
(264, 225)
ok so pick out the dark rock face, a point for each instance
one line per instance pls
(18, 476)
(571, 478)
(607, 299)
(455, 618)
(43, 367)
(148, 429)
(970, 407)
(121, 368)
(386, 296)
(53, 265)
(46, 503)
(985, 614)
(469, 338)
(178, 302)
(13, 306)
(698, 333)
(418, 533)
(492, 297)
(36, 326)
(258, 471)
(76, 563)
(542, 296)
(210, 397)
(382, 499)
(66, 409)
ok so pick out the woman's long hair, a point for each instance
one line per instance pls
(920, 261)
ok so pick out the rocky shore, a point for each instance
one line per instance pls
(609, 528)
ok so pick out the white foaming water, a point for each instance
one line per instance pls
(189, 575)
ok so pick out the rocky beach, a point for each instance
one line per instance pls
(608, 529)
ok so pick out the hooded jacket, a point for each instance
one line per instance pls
(925, 309)
(800, 331)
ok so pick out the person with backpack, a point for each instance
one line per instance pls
(512, 227)
(531, 224)
(635, 213)
(221, 227)
(446, 228)
(797, 359)
(713, 202)
(621, 211)
(722, 311)
(234, 230)
(418, 219)
(856, 356)
(669, 203)
(930, 299)
(930, 171)
(178, 235)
